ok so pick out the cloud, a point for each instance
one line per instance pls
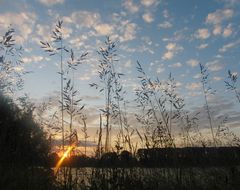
(85, 19)
(147, 17)
(165, 24)
(66, 32)
(22, 22)
(130, 6)
(172, 49)
(43, 31)
(85, 77)
(104, 29)
(128, 64)
(230, 2)
(161, 68)
(78, 41)
(193, 86)
(51, 2)
(147, 40)
(176, 65)
(217, 78)
(193, 62)
(144, 48)
(127, 49)
(122, 30)
(149, 3)
(32, 59)
(165, 13)
(202, 46)
(220, 108)
(168, 55)
(216, 19)
(217, 30)
(229, 46)
(219, 16)
(227, 31)
(214, 66)
(18, 68)
(197, 76)
(91, 98)
(128, 31)
(202, 33)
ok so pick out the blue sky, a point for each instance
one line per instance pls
(163, 35)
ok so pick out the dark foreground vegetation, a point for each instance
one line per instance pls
(24, 149)
(158, 158)
(154, 178)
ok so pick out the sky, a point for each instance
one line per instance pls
(163, 35)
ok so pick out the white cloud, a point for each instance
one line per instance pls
(147, 17)
(172, 49)
(165, 24)
(202, 33)
(193, 62)
(217, 30)
(229, 46)
(85, 19)
(214, 66)
(32, 59)
(176, 65)
(128, 31)
(22, 22)
(66, 32)
(144, 48)
(43, 31)
(197, 76)
(202, 46)
(194, 94)
(227, 31)
(230, 2)
(18, 68)
(104, 29)
(168, 55)
(51, 2)
(147, 40)
(130, 6)
(178, 84)
(120, 29)
(193, 86)
(78, 41)
(127, 49)
(218, 16)
(217, 78)
(128, 64)
(85, 77)
(161, 68)
(165, 13)
(148, 3)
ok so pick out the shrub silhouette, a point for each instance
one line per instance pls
(22, 141)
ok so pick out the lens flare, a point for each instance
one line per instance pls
(59, 163)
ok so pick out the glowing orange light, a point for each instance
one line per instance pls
(59, 163)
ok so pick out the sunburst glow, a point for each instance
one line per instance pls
(59, 163)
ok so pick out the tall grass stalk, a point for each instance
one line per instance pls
(206, 91)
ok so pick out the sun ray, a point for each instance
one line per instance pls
(59, 163)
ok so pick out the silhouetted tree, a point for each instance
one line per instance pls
(22, 141)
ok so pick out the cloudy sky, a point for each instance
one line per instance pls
(163, 35)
